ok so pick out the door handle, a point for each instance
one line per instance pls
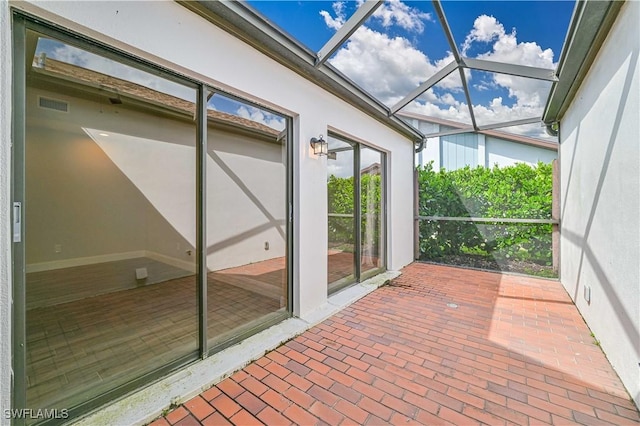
(17, 222)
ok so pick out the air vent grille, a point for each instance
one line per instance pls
(54, 104)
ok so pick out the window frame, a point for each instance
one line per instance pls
(23, 21)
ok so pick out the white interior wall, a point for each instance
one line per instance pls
(247, 200)
(113, 197)
(505, 153)
(174, 37)
(600, 197)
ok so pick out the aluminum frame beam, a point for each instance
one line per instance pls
(456, 54)
(450, 132)
(431, 81)
(510, 69)
(467, 95)
(447, 29)
(521, 122)
(365, 10)
(532, 120)
(590, 24)
(479, 64)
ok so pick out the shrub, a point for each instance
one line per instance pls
(340, 199)
(519, 191)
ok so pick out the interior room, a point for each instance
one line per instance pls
(111, 197)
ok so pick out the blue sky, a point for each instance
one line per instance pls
(404, 40)
(545, 22)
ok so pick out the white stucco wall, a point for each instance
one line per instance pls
(505, 153)
(170, 35)
(491, 150)
(600, 197)
(5, 200)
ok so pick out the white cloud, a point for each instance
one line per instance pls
(387, 67)
(339, 20)
(485, 29)
(398, 13)
(504, 47)
(390, 67)
(391, 12)
(259, 116)
(82, 58)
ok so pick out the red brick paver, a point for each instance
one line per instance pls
(439, 345)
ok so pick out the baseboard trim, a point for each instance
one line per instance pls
(113, 257)
(81, 261)
(178, 263)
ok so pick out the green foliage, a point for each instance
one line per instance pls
(519, 191)
(340, 198)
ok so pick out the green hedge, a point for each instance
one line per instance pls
(519, 191)
(340, 198)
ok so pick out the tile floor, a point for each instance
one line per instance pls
(439, 345)
(82, 348)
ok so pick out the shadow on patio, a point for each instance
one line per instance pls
(439, 345)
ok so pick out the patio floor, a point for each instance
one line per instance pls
(439, 345)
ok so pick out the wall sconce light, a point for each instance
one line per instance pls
(319, 145)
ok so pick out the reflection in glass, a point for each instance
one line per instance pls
(371, 197)
(341, 208)
(246, 212)
(110, 212)
(507, 247)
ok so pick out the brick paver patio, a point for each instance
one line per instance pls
(439, 345)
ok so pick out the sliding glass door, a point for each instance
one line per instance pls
(151, 226)
(371, 211)
(246, 218)
(110, 213)
(341, 211)
(355, 190)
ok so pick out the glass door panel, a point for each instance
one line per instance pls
(246, 219)
(110, 223)
(371, 210)
(341, 209)
(355, 212)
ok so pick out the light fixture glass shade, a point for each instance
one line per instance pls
(319, 145)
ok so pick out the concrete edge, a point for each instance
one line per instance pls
(145, 405)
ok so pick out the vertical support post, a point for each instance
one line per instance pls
(288, 282)
(357, 211)
(201, 218)
(555, 214)
(416, 213)
(19, 391)
(482, 150)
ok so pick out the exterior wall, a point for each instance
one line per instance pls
(458, 151)
(431, 151)
(5, 200)
(476, 149)
(505, 153)
(170, 35)
(600, 197)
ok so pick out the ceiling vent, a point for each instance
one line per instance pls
(54, 104)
